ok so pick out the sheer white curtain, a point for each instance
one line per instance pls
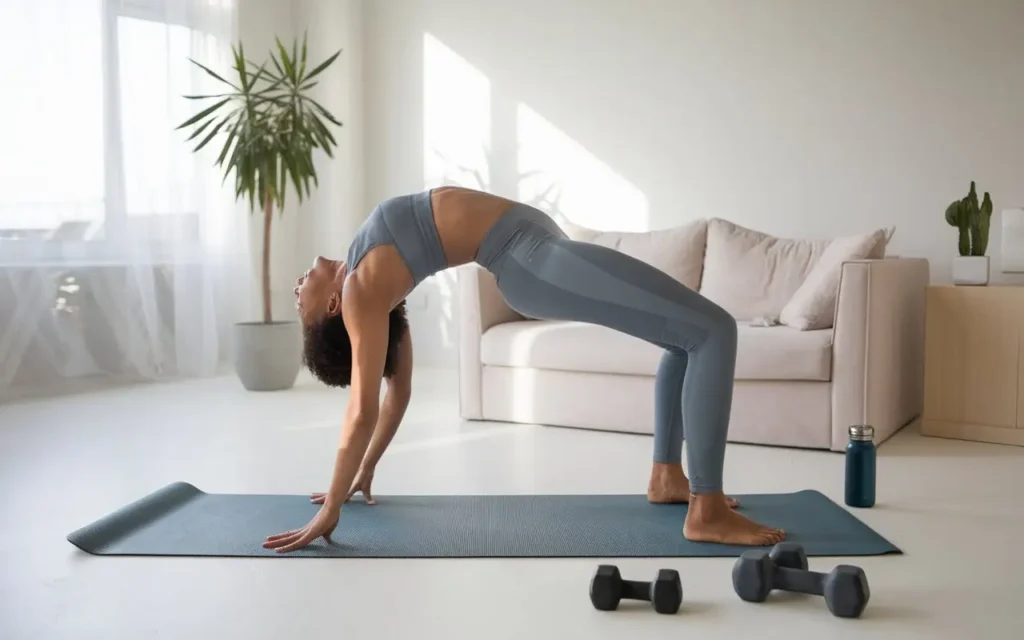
(122, 256)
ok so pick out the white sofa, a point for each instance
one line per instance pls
(799, 384)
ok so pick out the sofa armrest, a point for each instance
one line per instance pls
(481, 306)
(878, 346)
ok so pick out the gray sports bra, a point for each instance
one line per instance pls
(407, 223)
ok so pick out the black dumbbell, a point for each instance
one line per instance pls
(608, 587)
(757, 573)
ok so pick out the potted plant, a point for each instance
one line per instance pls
(271, 127)
(972, 221)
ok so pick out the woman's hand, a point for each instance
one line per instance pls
(360, 484)
(322, 524)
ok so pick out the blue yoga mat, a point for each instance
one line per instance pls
(181, 520)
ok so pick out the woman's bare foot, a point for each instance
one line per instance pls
(669, 485)
(709, 519)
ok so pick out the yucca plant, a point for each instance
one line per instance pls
(271, 127)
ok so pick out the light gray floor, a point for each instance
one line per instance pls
(954, 507)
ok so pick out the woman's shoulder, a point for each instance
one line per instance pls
(377, 286)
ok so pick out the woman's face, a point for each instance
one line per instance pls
(318, 291)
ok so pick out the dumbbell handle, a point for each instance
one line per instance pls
(799, 581)
(636, 590)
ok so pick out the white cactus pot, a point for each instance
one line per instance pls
(970, 270)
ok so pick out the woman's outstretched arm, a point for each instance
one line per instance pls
(392, 410)
(367, 322)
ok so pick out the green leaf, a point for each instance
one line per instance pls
(215, 131)
(304, 157)
(202, 114)
(273, 58)
(227, 144)
(261, 72)
(323, 65)
(322, 128)
(324, 112)
(302, 63)
(307, 161)
(324, 138)
(282, 183)
(303, 170)
(268, 176)
(212, 73)
(251, 180)
(289, 68)
(232, 164)
(249, 80)
(239, 166)
(261, 100)
(261, 184)
(212, 95)
(272, 85)
(273, 180)
(289, 163)
(199, 130)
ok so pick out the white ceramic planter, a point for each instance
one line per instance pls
(267, 357)
(970, 270)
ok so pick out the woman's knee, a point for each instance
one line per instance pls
(723, 328)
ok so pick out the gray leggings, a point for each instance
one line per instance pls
(544, 275)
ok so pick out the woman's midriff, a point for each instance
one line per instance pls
(463, 217)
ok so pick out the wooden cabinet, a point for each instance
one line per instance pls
(974, 364)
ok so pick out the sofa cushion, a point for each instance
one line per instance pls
(765, 353)
(678, 251)
(753, 274)
(813, 305)
(750, 273)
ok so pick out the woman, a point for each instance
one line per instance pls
(355, 334)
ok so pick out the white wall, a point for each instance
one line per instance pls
(804, 118)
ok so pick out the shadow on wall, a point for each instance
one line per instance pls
(478, 138)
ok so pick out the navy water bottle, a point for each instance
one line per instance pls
(860, 466)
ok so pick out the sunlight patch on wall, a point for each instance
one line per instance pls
(564, 179)
(456, 119)
(456, 138)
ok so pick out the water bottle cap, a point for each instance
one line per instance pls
(862, 433)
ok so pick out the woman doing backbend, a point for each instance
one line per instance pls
(355, 332)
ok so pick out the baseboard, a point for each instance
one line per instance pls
(972, 432)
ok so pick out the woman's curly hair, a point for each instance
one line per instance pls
(327, 350)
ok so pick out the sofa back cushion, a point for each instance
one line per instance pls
(678, 251)
(813, 305)
(750, 273)
(753, 274)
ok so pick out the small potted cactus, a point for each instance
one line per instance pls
(972, 221)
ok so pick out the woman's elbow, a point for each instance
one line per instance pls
(363, 416)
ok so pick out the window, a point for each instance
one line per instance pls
(91, 164)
